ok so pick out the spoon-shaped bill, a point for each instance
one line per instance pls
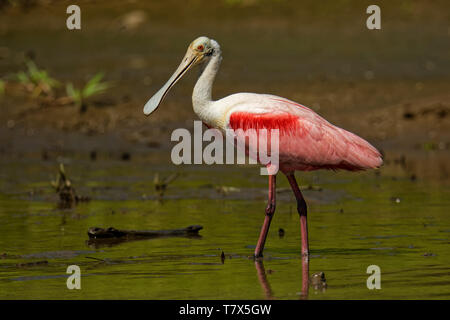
(154, 102)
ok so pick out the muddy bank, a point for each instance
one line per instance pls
(390, 87)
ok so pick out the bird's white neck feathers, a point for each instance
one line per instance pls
(202, 95)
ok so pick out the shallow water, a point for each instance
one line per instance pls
(355, 220)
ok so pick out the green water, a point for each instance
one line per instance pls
(316, 53)
(356, 220)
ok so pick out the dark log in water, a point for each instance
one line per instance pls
(101, 233)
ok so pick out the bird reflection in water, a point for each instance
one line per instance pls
(265, 285)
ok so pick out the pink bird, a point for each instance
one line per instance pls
(306, 140)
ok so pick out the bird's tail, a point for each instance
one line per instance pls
(360, 155)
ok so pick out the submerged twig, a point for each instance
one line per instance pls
(226, 190)
(94, 258)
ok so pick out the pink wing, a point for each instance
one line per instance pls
(307, 141)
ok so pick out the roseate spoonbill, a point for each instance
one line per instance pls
(306, 140)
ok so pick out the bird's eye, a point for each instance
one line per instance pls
(200, 47)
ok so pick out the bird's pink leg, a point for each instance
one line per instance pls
(305, 277)
(302, 211)
(270, 210)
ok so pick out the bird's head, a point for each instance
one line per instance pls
(201, 48)
(198, 51)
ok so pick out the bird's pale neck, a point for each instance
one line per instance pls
(202, 95)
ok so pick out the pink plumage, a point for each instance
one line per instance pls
(307, 141)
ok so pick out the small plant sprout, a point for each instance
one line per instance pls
(36, 80)
(93, 87)
(161, 184)
(64, 188)
(2, 87)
